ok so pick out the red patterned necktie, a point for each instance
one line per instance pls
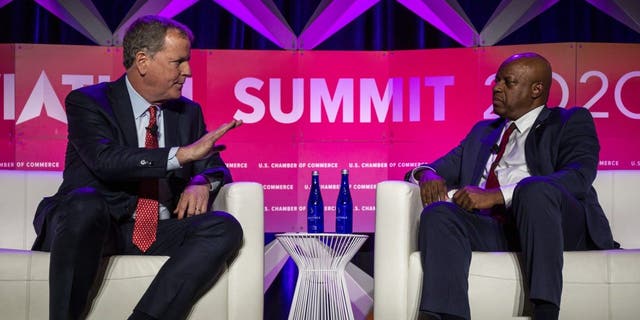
(144, 229)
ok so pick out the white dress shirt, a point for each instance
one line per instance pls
(141, 114)
(513, 166)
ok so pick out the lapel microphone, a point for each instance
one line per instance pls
(153, 130)
(494, 149)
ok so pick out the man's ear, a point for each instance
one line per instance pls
(537, 89)
(141, 62)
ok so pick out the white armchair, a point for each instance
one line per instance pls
(597, 284)
(24, 274)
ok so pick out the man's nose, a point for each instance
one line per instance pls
(496, 87)
(186, 69)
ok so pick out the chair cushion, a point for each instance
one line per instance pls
(24, 287)
(590, 277)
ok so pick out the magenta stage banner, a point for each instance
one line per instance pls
(7, 97)
(378, 114)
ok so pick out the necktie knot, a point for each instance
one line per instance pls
(152, 128)
(152, 113)
(509, 130)
(151, 138)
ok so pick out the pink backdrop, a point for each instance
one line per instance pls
(376, 113)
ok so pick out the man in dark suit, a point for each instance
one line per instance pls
(522, 182)
(140, 174)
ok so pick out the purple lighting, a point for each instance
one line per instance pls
(174, 7)
(447, 16)
(627, 12)
(165, 8)
(4, 2)
(509, 16)
(264, 17)
(329, 17)
(83, 16)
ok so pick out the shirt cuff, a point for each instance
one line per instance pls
(413, 179)
(213, 185)
(507, 193)
(172, 161)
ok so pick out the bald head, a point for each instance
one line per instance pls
(539, 70)
(522, 84)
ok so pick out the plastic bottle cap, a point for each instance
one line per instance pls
(345, 171)
(314, 173)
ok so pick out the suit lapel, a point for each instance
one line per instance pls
(531, 151)
(171, 119)
(487, 143)
(172, 138)
(123, 111)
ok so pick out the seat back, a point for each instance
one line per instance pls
(619, 197)
(20, 194)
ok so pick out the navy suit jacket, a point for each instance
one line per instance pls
(103, 153)
(562, 146)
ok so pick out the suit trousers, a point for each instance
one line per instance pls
(80, 232)
(543, 221)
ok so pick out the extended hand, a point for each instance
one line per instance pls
(194, 199)
(432, 187)
(470, 198)
(205, 146)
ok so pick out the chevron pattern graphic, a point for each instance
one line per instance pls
(331, 16)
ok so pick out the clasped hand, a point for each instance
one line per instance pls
(194, 199)
(433, 188)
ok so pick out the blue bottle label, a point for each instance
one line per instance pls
(315, 207)
(344, 218)
(314, 224)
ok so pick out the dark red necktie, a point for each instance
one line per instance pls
(144, 229)
(498, 212)
(492, 179)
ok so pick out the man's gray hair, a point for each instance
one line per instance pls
(147, 34)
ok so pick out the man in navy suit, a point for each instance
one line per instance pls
(125, 139)
(522, 182)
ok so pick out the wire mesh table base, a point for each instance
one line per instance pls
(321, 291)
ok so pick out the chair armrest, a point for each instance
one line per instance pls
(398, 208)
(245, 201)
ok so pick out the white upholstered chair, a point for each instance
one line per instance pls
(597, 284)
(24, 293)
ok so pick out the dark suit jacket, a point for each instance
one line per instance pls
(103, 153)
(562, 146)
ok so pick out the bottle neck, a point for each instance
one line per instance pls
(345, 180)
(344, 186)
(315, 186)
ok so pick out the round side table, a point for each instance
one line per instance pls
(321, 291)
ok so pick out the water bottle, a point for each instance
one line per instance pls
(315, 206)
(344, 206)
